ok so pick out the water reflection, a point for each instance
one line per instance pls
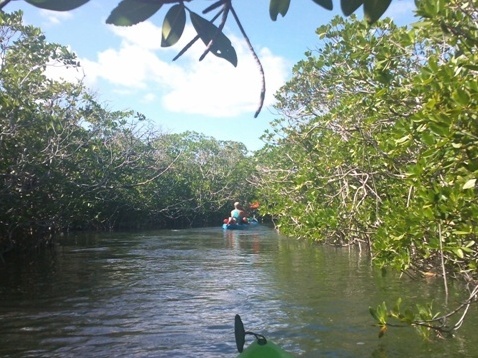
(239, 239)
(175, 293)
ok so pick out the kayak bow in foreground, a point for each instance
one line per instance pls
(260, 348)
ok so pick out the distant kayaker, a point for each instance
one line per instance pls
(238, 215)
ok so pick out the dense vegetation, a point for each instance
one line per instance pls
(67, 162)
(377, 144)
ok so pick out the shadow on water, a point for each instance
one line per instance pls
(175, 294)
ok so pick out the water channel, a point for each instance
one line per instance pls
(175, 294)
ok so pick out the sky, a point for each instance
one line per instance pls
(128, 70)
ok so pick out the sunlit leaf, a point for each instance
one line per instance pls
(277, 7)
(459, 252)
(349, 6)
(173, 25)
(461, 97)
(403, 139)
(374, 9)
(57, 5)
(326, 4)
(373, 312)
(221, 44)
(132, 12)
(469, 184)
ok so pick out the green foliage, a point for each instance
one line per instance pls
(206, 176)
(441, 136)
(337, 171)
(421, 317)
(378, 146)
(173, 25)
(69, 163)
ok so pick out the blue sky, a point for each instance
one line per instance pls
(127, 68)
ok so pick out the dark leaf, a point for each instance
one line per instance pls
(326, 4)
(57, 5)
(207, 31)
(213, 6)
(374, 9)
(173, 25)
(277, 7)
(132, 12)
(349, 6)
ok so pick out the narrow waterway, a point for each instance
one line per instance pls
(175, 294)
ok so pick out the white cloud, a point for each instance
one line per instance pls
(55, 17)
(130, 66)
(149, 97)
(145, 35)
(212, 87)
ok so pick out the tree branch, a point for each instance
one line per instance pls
(256, 58)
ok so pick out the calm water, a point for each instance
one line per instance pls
(175, 294)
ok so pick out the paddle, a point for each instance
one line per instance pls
(240, 334)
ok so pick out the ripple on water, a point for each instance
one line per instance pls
(175, 294)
